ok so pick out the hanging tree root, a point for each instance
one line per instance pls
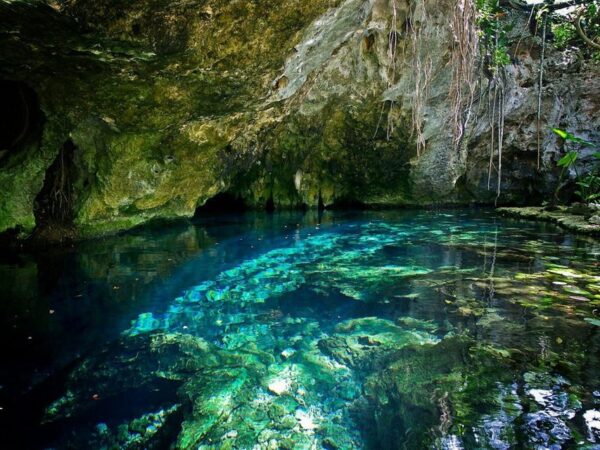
(423, 66)
(540, 86)
(391, 71)
(464, 56)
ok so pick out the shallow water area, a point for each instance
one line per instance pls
(374, 329)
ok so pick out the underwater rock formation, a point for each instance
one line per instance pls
(165, 105)
(433, 329)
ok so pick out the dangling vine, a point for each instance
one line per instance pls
(422, 66)
(464, 56)
(391, 53)
(543, 14)
(422, 69)
(480, 44)
(392, 49)
(494, 54)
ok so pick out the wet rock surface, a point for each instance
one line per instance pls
(290, 105)
(567, 217)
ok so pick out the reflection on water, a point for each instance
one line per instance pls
(393, 329)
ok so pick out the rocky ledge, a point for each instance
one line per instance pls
(577, 218)
(122, 112)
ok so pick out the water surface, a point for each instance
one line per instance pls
(391, 329)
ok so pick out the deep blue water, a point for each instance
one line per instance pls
(387, 329)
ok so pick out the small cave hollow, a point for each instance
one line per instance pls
(54, 205)
(20, 116)
(281, 82)
(368, 41)
(224, 202)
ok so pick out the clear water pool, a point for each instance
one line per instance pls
(393, 329)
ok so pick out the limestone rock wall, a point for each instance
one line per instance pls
(286, 103)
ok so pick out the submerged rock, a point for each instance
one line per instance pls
(477, 358)
(592, 422)
(363, 343)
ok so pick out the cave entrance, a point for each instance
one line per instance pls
(224, 202)
(20, 116)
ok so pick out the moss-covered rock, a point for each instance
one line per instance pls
(288, 104)
(561, 216)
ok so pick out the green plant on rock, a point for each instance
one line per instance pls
(589, 188)
(579, 26)
(588, 185)
(564, 34)
(493, 34)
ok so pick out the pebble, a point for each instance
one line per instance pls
(288, 353)
(230, 434)
(306, 421)
(279, 386)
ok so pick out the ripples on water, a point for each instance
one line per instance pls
(396, 329)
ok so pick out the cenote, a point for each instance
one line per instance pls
(339, 330)
(299, 224)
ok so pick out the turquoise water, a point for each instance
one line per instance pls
(395, 329)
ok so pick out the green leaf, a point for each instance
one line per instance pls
(592, 321)
(572, 138)
(562, 133)
(568, 160)
(579, 140)
(596, 155)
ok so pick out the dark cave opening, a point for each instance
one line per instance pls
(20, 116)
(53, 207)
(223, 202)
(270, 205)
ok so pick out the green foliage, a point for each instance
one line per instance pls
(568, 160)
(592, 321)
(569, 137)
(589, 188)
(493, 33)
(588, 185)
(564, 34)
(592, 19)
